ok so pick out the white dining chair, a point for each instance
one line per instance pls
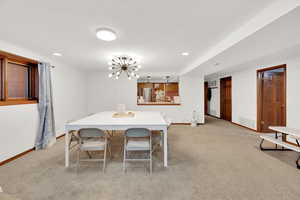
(137, 140)
(90, 140)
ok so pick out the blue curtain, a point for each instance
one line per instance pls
(46, 132)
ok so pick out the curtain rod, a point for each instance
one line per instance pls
(52, 66)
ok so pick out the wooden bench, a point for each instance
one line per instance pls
(279, 139)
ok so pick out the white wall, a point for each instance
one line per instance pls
(244, 97)
(69, 95)
(293, 94)
(105, 93)
(244, 93)
(19, 123)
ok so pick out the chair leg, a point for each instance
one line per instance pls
(124, 159)
(104, 162)
(150, 152)
(70, 143)
(150, 161)
(71, 140)
(109, 149)
(89, 155)
(78, 158)
(161, 139)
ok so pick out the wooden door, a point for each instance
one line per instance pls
(206, 98)
(271, 98)
(225, 89)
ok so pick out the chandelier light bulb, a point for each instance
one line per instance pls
(110, 75)
(123, 64)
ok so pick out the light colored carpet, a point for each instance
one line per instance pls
(213, 161)
(4, 196)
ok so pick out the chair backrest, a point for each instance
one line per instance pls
(137, 132)
(91, 133)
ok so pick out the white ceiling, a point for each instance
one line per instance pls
(279, 41)
(155, 31)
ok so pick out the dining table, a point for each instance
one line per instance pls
(111, 121)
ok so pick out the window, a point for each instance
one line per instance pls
(18, 80)
(158, 91)
(1, 80)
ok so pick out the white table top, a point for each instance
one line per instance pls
(141, 118)
(283, 129)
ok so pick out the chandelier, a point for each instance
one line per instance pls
(125, 65)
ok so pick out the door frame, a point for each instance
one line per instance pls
(221, 98)
(259, 92)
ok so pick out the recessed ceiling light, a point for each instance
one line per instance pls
(106, 34)
(185, 53)
(57, 54)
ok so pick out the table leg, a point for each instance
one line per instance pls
(165, 130)
(67, 152)
(270, 149)
(297, 142)
(283, 139)
(276, 136)
(298, 162)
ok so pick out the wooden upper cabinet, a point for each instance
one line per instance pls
(141, 87)
(172, 89)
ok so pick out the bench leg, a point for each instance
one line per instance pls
(271, 149)
(298, 162)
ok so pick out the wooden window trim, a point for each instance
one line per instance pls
(6, 58)
(158, 104)
(17, 102)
